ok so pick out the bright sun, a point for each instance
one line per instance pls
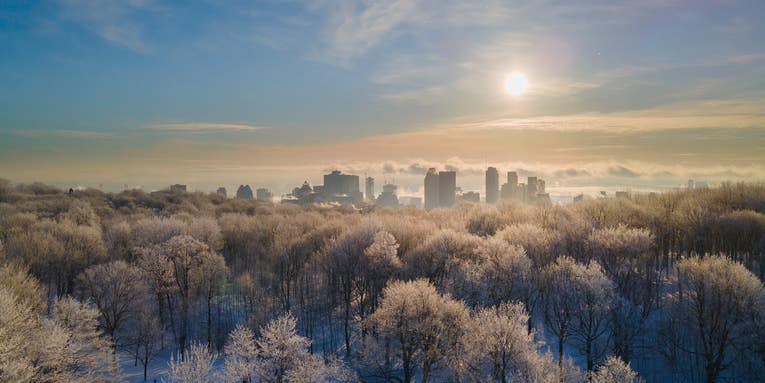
(516, 83)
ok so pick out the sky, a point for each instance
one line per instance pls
(622, 95)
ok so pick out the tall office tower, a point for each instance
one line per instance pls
(337, 184)
(370, 189)
(541, 186)
(531, 189)
(447, 188)
(512, 179)
(431, 189)
(492, 185)
(690, 184)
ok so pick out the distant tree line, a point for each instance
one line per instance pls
(661, 287)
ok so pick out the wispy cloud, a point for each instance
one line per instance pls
(355, 27)
(39, 133)
(712, 114)
(205, 126)
(113, 21)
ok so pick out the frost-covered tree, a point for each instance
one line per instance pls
(344, 262)
(155, 230)
(118, 241)
(486, 221)
(195, 367)
(66, 346)
(206, 230)
(315, 370)
(625, 254)
(180, 266)
(279, 355)
(379, 264)
(501, 349)
(576, 301)
(75, 347)
(440, 255)
(18, 326)
(117, 290)
(537, 241)
(145, 337)
(82, 246)
(240, 355)
(211, 279)
(504, 274)
(595, 295)
(280, 349)
(713, 314)
(424, 327)
(26, 288)
(614, 370)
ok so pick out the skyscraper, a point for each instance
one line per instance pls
(431, 189)
(531, 189)
(370, 189)
(337, 185)
(244, 192)
(447, 188)
(492, 185)
(512, 179)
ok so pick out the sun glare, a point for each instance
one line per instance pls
(516, 83)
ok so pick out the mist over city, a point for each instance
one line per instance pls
(372, 191)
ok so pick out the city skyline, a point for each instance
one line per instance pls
(218, 94)
(440, 190)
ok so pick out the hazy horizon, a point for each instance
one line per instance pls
(640, 96)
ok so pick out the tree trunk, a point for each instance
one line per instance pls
(347, 320)
(209, 318)
(425, 372)
(560, 359)
(184, 326)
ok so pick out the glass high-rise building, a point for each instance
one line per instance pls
(431, 189)
(447, 188)
(492, 185)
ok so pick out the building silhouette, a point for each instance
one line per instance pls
(492, 185)
(369, 188)
(388, 196)
(244, 192)
(431, 189)
(263, 194)
(447, 188)
(512, 178)
(531, 189)
(511, 189)
(340, 187)
(222, 192)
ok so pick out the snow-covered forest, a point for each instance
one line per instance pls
(191, 287)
